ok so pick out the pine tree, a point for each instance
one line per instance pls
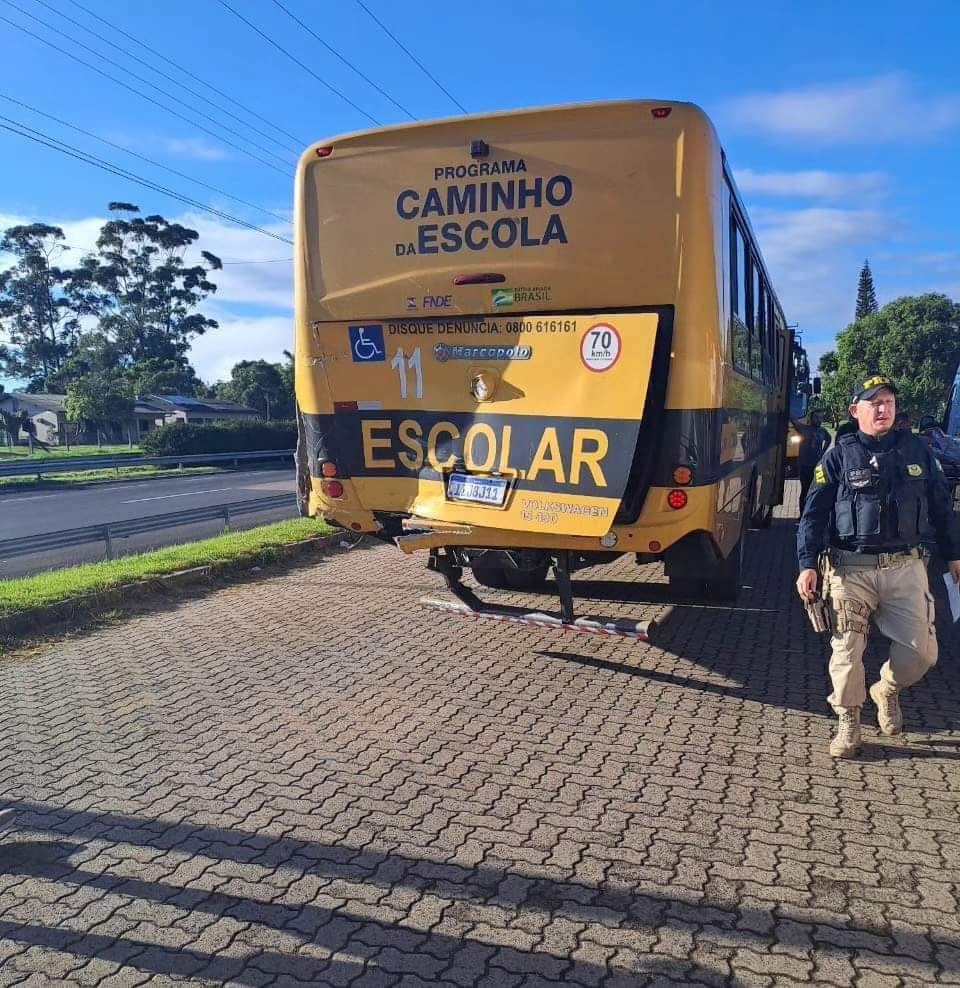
(866, 293)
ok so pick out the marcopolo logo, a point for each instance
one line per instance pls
(444, 352)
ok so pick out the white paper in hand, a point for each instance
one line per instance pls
(953, 595)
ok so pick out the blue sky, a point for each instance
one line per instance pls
(842, 122)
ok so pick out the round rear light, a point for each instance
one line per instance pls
(677, 499)
(682, 476)
(654, 546)
(333, 488)
(328, 469)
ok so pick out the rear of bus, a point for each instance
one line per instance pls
(487, 322)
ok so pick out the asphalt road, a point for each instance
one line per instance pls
(33, 513)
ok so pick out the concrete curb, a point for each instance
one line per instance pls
(50, 620)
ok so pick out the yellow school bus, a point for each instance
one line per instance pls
(536, 341)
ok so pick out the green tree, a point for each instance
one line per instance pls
(37, 314)
(914, 340)
(288, 372)
(159, 376)
(98, 401)
(260, 385)
(145, 294)
(866, 294)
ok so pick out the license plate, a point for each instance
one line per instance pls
(479, 490)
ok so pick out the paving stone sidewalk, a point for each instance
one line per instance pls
(313, 780)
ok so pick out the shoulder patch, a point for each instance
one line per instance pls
(914, 469)
(820, 475)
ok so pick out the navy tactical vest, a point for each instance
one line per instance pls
(882, 497)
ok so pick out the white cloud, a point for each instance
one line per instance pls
(195, 148)
(812, 184)
(814, 256)
(257, 270)
(884, 108)
(238, 338)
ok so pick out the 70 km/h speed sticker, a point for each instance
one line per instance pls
(600, 347)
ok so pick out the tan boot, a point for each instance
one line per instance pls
(846, 742)
(889, 714)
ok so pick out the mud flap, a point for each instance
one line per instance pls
(302, 462)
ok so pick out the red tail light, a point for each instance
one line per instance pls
(333, 488)
(660, 112)
(325, 152)
(490, 278)
(677, 499)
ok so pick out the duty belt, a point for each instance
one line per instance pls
(844, 558)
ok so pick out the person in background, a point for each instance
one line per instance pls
(848, 428)
(903, 423)
(815, 442)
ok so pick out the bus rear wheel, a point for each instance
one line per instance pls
(490, 576)
(526, 579)
(510, 578)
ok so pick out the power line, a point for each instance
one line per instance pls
(153, 51)
(273, 260)
(147, 82)
(404, 48)
(120, 147)
(293, 58)
(39, 137)
(168, 77)
(345, 61)
(142, 95)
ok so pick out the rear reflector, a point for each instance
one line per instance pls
(490, 278)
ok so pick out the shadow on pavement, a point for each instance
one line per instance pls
(482, 897)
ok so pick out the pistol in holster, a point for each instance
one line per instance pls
(819, 613)
(818, 610)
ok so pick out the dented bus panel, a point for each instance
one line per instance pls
(523, 342)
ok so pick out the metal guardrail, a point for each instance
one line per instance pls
(26, 468)
(49, 541)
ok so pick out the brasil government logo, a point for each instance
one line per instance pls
(502, 297)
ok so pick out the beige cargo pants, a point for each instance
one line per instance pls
(898, 599)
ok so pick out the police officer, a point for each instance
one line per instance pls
(876, 498)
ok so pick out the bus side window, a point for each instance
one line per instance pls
(738, 298)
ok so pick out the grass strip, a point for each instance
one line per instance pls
(100, 476)
(62, 585)
(61, 453)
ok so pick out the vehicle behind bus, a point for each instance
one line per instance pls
(535, 341)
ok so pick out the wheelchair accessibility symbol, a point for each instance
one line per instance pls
(366, 344)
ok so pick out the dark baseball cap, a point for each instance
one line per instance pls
(871, 386)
